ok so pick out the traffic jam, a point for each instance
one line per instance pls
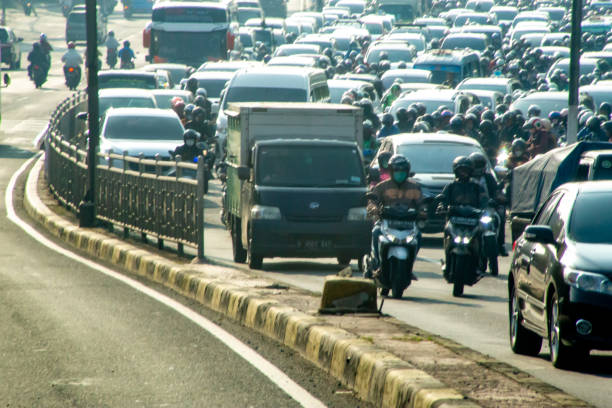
(356, 129)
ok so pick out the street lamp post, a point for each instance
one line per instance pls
(574, 72)
(87, 209)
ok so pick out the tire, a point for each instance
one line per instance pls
(522, 341)
(384, 292)
(238, 251)
(400, 267)
(561, 356)
(344, 260)
(493, 266)
(459, 266)
(255, 260)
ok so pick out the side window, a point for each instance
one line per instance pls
(583, 172)
(546, 210)
(560, 216)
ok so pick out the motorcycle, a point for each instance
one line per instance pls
(38, 75)
(73, 77)
(111, 57)
(398, 247)
(127, 63)
(462, 246)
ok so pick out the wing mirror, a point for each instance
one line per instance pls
(82, 116)
(244, 173)
(540, 233)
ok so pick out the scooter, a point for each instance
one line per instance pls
(462, 246)
(38, 75)
(73, 77)
(398, 247)
(127, 63)
(111, 57)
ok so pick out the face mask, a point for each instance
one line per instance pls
(190, 142)
(400, 176)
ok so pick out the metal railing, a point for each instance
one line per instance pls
(160, 198)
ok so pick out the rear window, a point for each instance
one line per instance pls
(309, 166)
(131, 81)
(76, 18)
(434, 157)
(126, 102)
(213, 86)
(189, 15)
(591, 219)
(459, 43)
(264, 94)
(138, 128)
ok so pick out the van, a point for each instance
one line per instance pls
(449, 66)
(76, 28)
(272, 84)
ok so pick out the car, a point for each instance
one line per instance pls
(243, 14)
(494, 33)
(137, 131)
(587, 66)
(431, 158)
(10, 51)
(560, 281)
(499, 84)
(479, 5)
(131, 7)
(396, 52)
(530, 17)
(177, 72)
(504, 15)
(546, 101)
(474, 18)
(123, 78)
(355, 7)
(163, 97)
(322, 40)
(75, 27)
(231, 66)
(295, 61)
(555, 51)
(417, 40)
(551, 39)
(214, 83)
(405, 75)
(465, 41)
(556, 14)
(488, 99)
(293, 49)
(529, 27)
(124, 98)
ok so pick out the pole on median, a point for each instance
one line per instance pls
(574, 72)
(87, 208)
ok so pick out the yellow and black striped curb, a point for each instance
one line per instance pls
(375, 375)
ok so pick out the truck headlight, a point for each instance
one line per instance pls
(591, 282)
(264, 212)
(357, 214)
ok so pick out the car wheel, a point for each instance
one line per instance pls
(561, 356)
(522, 341)
(255, 260)
(238, 251)
(344, 260)
(384, 292)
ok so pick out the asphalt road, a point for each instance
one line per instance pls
(73, 334)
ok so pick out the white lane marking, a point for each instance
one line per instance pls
(294, 390)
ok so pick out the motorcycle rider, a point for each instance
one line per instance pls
(398, 189)
(518, 154)
(488, 182)
(188, 150)
(37, 57)
(383, 168)
(112, 45)
(388, 128)
(71, 59)
(199, 123)
(462, 191)
(126, 55)
(45, 46)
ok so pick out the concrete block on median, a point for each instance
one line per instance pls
(348, 295)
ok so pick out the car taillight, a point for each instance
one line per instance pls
(513, 246)
(71, 69)
(230, 40)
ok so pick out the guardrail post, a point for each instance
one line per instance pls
(179, 247)
(200, 207)
(160, 242)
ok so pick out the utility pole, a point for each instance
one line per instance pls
(3, 19)
(574, 72)
(87, 207)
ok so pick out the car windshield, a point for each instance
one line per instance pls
(399, 11)
(177, 45)
(76, 18)
(591, 219)
(213, 86)
(485, 87)
(505, 15)
(245, 14)
(374, 28)
(434, 157)
(545, 105)
(139, 128)
(395, 55)
(128, 81)
(264, 94)
(309, 166)
(452, 43)
(124, 102)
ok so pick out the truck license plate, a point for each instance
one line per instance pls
(314, 244)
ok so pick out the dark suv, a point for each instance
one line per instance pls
(560, 281)
(9, 47)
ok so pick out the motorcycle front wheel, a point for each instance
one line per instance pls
(398, 267)
(459, 265)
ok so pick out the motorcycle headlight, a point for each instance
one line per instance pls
(588, 281)
(466, 240)
(357, 214)
(263, 212)
(486, 219)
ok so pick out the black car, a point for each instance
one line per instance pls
(9, 48)
(560, 281)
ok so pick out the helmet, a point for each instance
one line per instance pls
(190, 134)
(199, 101)
(197, 111)
(71, 45)
(43, 37)
(189, 109)
(554, 115)
(456, 123)
(383, 56)
(488, 115)
(519, 144)
(446, 114)
(593, 123)
(202, 92)
(533, 123)
(387, 119)
(383, 159)
(486, 126)
(534, 110)
(463, 167)
(368, 126)
(111, 33)
(479, 161)
(607, 126)
(126, 43)
(401, 114)
(605, 108)
(399, 166)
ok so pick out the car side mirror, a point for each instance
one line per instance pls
(82, 116)
(244, 173)
(540, 233)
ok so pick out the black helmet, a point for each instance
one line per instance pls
(605, 108)
(519, 144)
(479, 161)
(401, 114)
(383, 159)
(607, 126)
(399, 163)
(190, 134)
(387, 119)
(593, 123)
(486, 126)
(126, 44)
(456, 123)
(198, 111)
(199, 101)
(465, 164)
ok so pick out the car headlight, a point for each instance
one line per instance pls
(357, 214)
(263, 212)
(588, 281)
